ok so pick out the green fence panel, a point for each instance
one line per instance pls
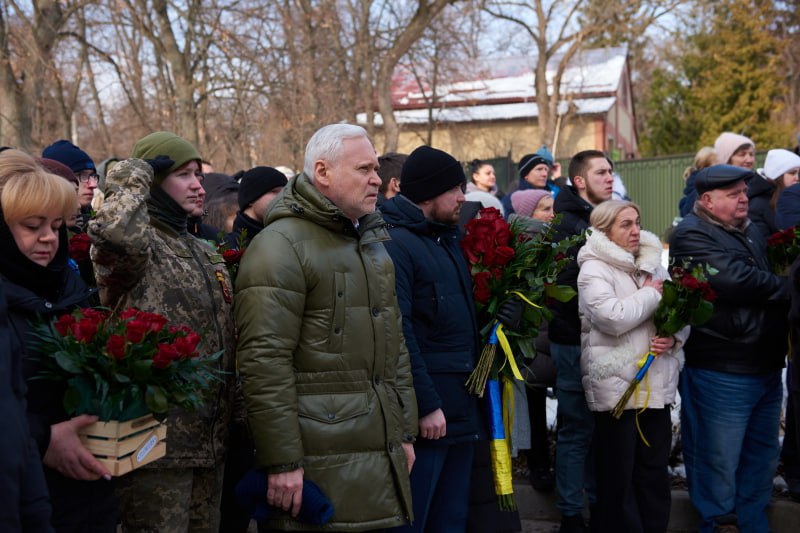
(655, 184)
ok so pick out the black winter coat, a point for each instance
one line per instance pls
(760, 212)
(76, 504)
(565, 327)
(434, 291)
(686, 203)
(748, 330)
(25, 505)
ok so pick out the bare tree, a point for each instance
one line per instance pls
(559, 29)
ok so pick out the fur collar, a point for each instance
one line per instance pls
(600, 247)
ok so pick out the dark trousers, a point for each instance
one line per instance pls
(633, 488)
(440, 487)
(539, 454)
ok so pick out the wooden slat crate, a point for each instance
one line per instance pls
(125, 446)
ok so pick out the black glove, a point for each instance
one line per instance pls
(510, 313)
(160, 164)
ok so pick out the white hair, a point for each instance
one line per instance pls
(326, 144)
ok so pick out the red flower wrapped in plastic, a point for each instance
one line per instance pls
(122, 366)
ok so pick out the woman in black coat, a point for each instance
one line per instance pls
(39, 285)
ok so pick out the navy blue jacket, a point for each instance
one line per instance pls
(787, 210)
(748, 330)
(759, 211)
(434, 291)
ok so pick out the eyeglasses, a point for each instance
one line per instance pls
(84, 178)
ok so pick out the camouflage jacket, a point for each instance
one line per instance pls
(140, 262)
(327, 380)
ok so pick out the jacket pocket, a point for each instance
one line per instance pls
(336, 330)
(332, 408)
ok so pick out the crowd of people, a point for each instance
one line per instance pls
(350, 329)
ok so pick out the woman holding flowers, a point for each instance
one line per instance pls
(39, 283)
(619, 289)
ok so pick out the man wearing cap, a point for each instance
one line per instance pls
(730, 386)
(82, 165)
(144, 257)
(534, 173)
(257, 188)
(434, 290)
(325, 372)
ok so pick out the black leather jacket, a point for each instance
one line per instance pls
(747, 332)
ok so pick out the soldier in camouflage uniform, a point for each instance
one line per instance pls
(144, 258)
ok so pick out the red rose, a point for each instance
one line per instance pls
(488, 257)
(64, 324)
(129, 313)
(503, 254)
(78, 247)
(503, 236)
(115, 346)
(180, 328)
(135, 330)
(187, 346)
(481, 290)
(154, 321)
(232, 257)
(84, 329)
(690, 282)
(165, 354)
(490, 214)
(708, 293)
(497, 272)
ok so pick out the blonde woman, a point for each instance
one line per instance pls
(619, 288)
(39, 284)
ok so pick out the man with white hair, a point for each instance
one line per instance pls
(325, 370)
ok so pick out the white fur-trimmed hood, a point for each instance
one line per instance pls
(599, 246)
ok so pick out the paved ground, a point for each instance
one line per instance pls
(539, 514)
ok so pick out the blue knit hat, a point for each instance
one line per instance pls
(67, 153)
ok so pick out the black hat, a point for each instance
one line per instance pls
(257, 182)
(67, 153)
(429, 172)
(719, 177)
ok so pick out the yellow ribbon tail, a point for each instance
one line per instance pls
(524, 299)
(503, 340)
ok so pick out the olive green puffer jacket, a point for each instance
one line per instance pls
(325, 370)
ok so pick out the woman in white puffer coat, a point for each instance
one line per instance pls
(619, 288)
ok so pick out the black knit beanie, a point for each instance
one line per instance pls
(257, 182)
(429, 172)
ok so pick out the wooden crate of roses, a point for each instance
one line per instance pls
(125, 446)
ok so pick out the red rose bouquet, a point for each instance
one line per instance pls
(783, 248)
(508, 261)
(124, 366)
(686, 300)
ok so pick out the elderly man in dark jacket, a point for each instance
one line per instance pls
(325, 371)
(731, 384)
